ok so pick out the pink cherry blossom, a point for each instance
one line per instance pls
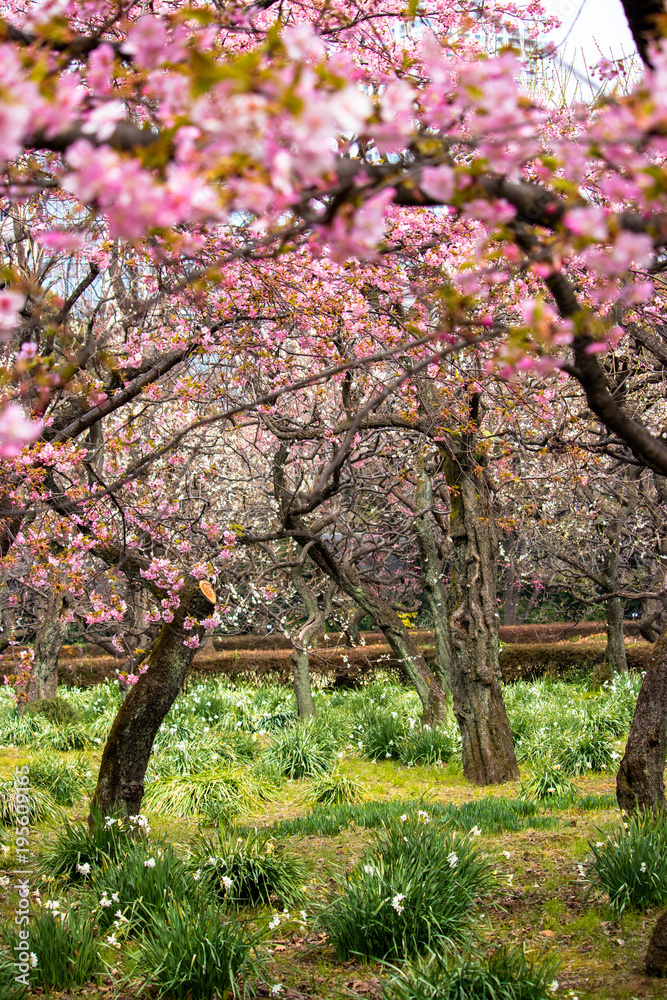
(439, 183)
(16, 430)
(147, 41)
(10, 304)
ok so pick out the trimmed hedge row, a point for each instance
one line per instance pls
(343, 666)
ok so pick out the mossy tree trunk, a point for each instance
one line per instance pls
(640, 779)
(49, 640)
(433, 586)
(302, 640)
(120, 784)
(615, 654)
(487, 746)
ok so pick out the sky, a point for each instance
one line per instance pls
(600, 28)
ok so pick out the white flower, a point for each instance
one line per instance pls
(369, 870)
(4, 880)
(109, 821)
(397, 902)
(115, 897)
(33, 959)
(111, 939)
(197, 875)
(554, 986)
(360, 745)
(394, 715)
(274, 922)
(211, 861)
(452, 859)
(643, 867)
(149, 863)
(227, 882)
(475, 832)
(510, 879)
(303, 915)
(52, 904)
(276, 989)
(423, 816)
(403, 818)
(507, 854)
(104, 902)
(84, 869)
(582, 873)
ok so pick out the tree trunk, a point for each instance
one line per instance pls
(615, 654)
(487, 747)
(120, 784)
(433, 587)
(305, 705)
(49, 641)
(301, 644)
(640, 779)
(431, 694)
(512, 588)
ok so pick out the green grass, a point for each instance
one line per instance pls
(197, 953)
(66, 945)
(249, 871)
(490, 815)
(630, 865)
(212, 792)
(507, 974)
(416, 888)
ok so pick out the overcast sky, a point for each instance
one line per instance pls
(600, 28)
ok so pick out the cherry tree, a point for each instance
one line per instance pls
(178, 161)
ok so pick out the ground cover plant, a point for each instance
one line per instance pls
(417, 887)
(249, 871)
(630, 864)
(293, 890)
(507, 974)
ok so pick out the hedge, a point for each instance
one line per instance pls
(344, 666)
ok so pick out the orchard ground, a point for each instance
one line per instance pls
(540, 898)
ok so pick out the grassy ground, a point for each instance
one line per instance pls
(541, 901)
(542, 904)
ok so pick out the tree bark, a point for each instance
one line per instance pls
(640, 779)
(433, 587)
(487, 747)
(615, 654)
(301, 643)
(643, 18)
(49, 641)
(120, 784)
(512, 588)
